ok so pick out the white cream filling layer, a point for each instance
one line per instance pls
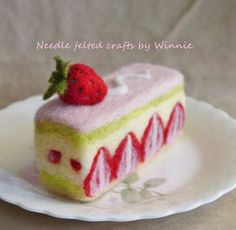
(47, 142)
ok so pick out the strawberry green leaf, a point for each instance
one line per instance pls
(50, 91)
(61, 87)
(55, 78)
(58, 78)
(61, 66)
(66, 69)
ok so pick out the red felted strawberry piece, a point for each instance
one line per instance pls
(175, 123)
(153, 137)
(76, 84)
(100, 174)
(127, 156)
(54, 156)
(76, 165)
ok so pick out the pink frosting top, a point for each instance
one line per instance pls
(140, 91)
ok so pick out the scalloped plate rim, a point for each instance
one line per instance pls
(126, 218)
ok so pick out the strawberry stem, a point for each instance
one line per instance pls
(58, 78)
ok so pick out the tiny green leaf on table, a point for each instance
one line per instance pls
(154, 182)
(131, 179)
(133, 193)
(146, 193)
(130, 195)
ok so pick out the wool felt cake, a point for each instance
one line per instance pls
(83, 150)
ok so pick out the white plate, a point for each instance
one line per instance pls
(199, 168)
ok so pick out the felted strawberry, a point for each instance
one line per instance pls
(76, 84)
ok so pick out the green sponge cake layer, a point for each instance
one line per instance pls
(83, 139)
(84, 164)
(61, 185)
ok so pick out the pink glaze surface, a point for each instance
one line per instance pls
(140, 92)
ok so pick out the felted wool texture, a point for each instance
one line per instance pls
(57, 140)
(155, 126)
(100, 133)
(162, 92)
(140, 91)
(102, 167)
(85, 87)
(60, 185)
(120, 166)
(85, 155)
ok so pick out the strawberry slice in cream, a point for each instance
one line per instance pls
(175, 123)
(153, 137)
(127, 156)
(100, 174)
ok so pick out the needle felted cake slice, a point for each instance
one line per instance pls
(97, 133)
